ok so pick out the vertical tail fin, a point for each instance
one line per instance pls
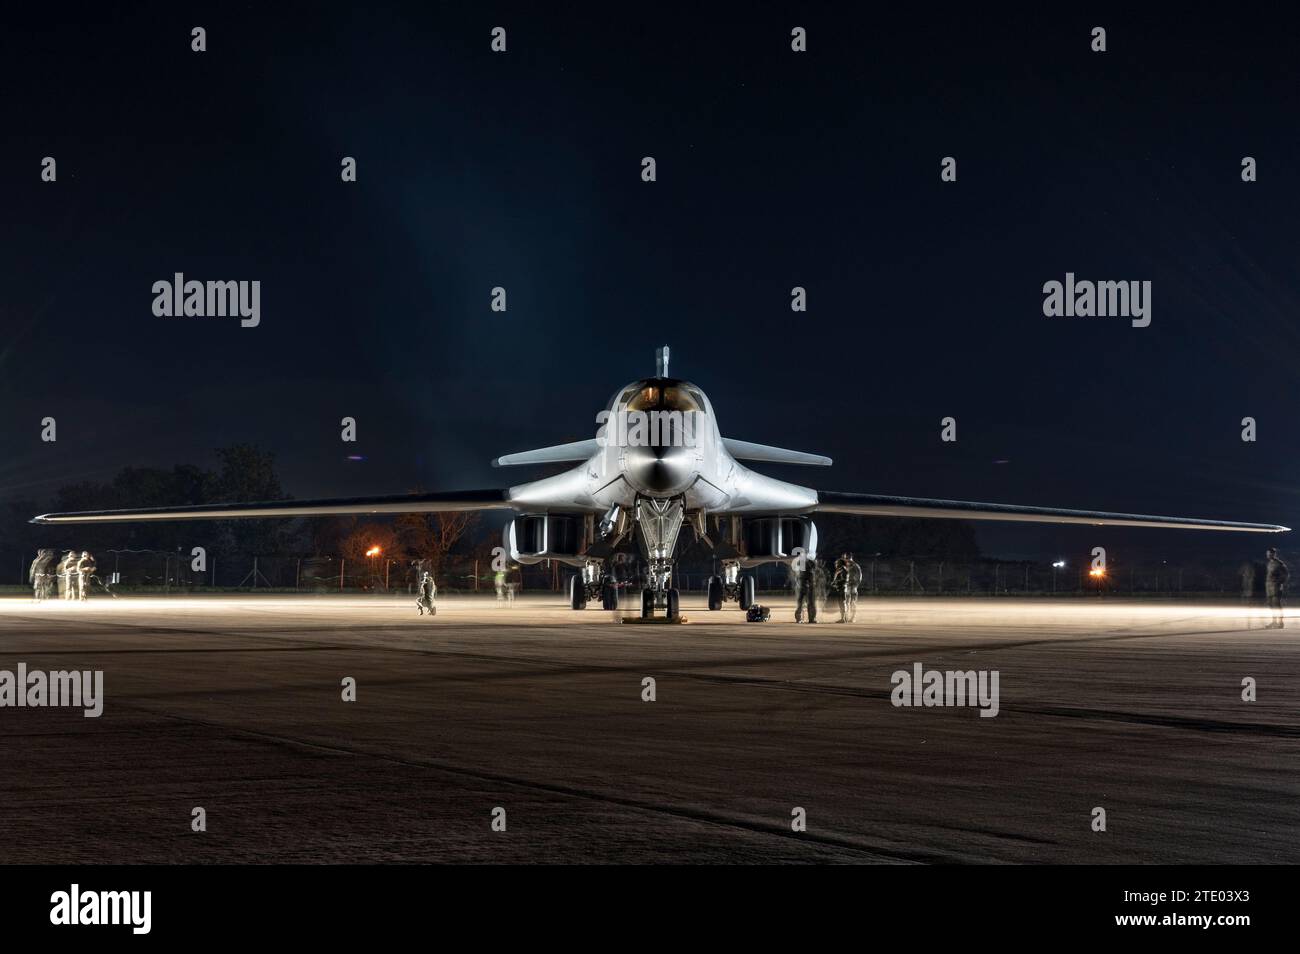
(661, 362)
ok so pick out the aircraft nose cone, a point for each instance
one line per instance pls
(659, 470)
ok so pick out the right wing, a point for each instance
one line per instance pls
(880, 505)
(745, 450)
(396, 503)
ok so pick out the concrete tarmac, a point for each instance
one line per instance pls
(234, 705)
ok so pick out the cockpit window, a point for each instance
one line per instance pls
(663, 397)
(647, 399)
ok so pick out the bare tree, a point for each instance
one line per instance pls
(429, 537)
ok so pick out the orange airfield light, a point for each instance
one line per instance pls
(373, 551)
(1097, 572)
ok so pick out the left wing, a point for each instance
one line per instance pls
(397, 503)
(560, 453)
(878, 505)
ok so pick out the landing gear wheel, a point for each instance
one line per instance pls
(577, 593)
(674, 604)
(647, 604)
(716, 593)
(609, 596)
(746, 591)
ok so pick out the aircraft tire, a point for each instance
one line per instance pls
(747, 591)
(716, 593)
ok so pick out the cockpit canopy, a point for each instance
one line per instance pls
(661, 394)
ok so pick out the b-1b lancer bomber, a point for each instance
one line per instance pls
(658, 463)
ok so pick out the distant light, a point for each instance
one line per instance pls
(1058, 564)
(354, 457)
(373, 551)
(1097, 572)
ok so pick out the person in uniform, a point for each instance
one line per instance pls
(807, 591)
(1276, 576)
(499, 580)
(41, 575)
(513, 576)
(32, 576)
(67, 570)
(51, 588)
(428, 593)
(847, 579)
(85, 570)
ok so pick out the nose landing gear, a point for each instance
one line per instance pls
(670, 599)
(660, 522)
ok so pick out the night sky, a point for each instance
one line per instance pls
(775, 169)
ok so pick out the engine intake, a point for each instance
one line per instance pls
(534, 537)
(776, 538)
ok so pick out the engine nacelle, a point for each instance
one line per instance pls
(771, 539)
(535, 537)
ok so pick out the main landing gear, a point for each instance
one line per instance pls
(731, 586)
(592, 584)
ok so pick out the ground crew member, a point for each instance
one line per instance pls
(1275, 580)
(428, 593)
(67, 569)
(41, 575)
(85, 570)
(848, 577)
(807, 591)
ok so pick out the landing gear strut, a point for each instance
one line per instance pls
(660, 522)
